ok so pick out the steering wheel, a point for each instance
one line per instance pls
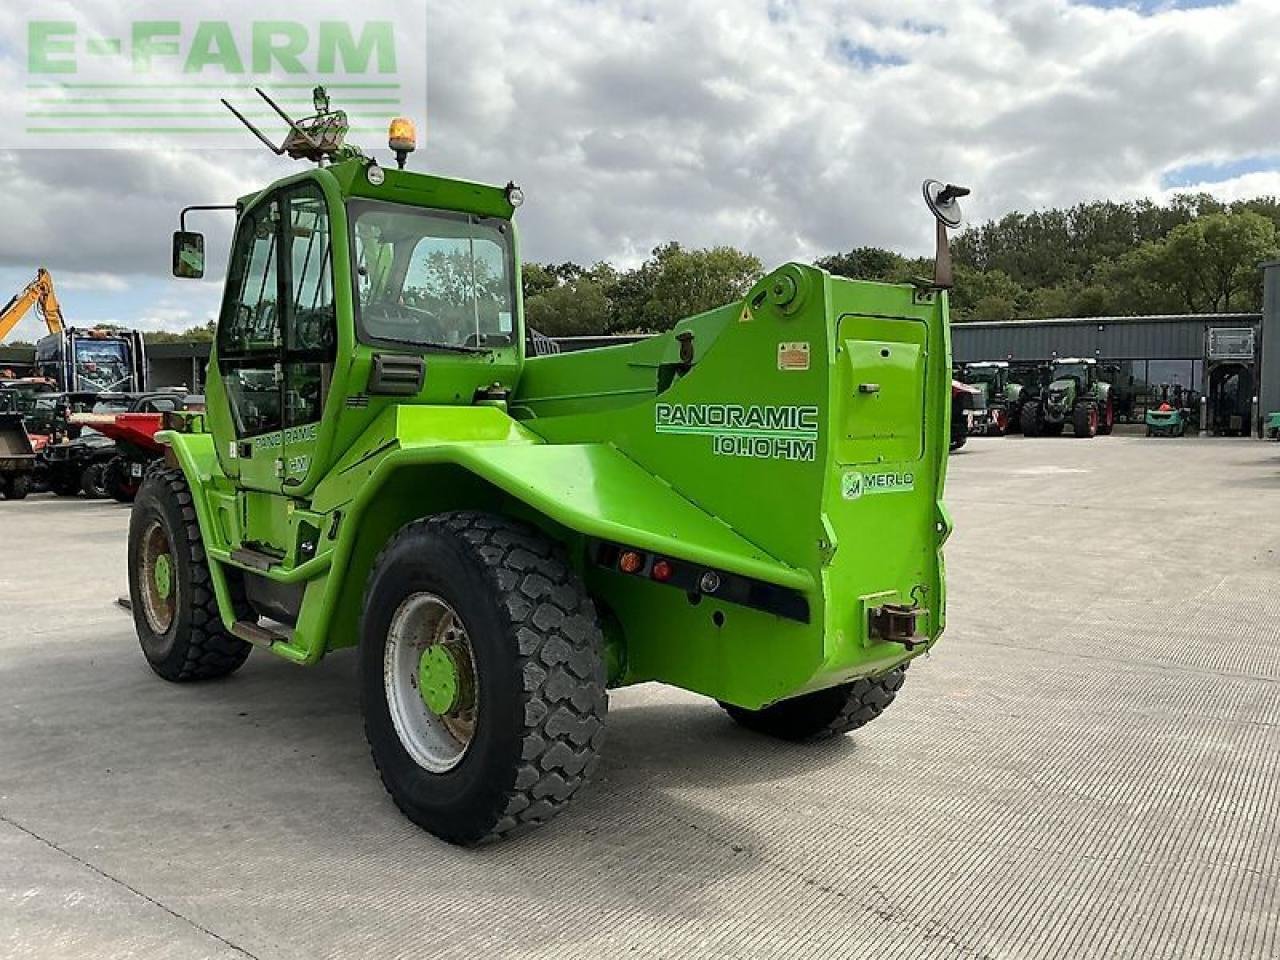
(425, 327)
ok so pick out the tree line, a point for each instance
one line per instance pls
(1194, 254)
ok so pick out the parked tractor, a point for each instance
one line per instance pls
(133, 437)
(83, 459)
(1003, 396)
(1073, 395)
(748, 506)
(967, 404)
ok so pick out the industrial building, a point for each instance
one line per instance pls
(1148, 360)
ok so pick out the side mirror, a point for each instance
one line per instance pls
(188, 255)
(942, 200)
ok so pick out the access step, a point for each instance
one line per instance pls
(257, 634)
(254, 559)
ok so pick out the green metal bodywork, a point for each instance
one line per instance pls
(721, 444)
(1166, 423)
(1272, 430)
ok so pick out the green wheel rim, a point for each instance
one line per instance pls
(431, 681)
(158, 587)
(163, 574)
(438, 679)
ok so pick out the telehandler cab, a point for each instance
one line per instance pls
(748, 506)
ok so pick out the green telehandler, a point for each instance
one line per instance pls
(748, 506)
(1072, 394)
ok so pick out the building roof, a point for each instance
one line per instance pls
(1215, 318)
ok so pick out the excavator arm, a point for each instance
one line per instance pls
(40, 294)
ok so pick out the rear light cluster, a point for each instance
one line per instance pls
(660, 569)
(698, 581)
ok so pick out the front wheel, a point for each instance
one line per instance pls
(175, 611)
(825, 713)
(1031, 419)
(482, 676)
(1084, 420)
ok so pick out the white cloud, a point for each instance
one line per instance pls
(761, 124)
(72, 280)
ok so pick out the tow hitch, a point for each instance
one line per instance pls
(896, 623)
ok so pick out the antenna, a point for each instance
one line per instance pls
(318, 138)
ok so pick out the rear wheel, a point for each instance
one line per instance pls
(93, 481)
(117, 482)
(482, 676)
(1031, 420)
(1107, 419)
(175, 611)
(826, 713)
(17, 487)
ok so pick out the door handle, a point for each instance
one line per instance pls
(868, 388)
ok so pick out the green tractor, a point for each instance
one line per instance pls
(1004, 396)
(748, 506)
(1073, 394)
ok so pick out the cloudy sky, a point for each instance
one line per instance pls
(790, 128)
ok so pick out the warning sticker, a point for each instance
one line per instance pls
(793, 356)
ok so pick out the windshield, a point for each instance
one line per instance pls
(102, 364)
(1076, 371)
(983, 374)
(430, 277)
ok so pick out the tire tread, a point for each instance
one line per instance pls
(557, 643)
(211, 652)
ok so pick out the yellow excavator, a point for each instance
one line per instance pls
(38, 293)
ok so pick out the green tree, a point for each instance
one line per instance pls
(1211, 263)
(689, 282)
(864, 263)
(579, 308)
(990, 295)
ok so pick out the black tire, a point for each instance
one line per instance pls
(1084, 421)
(17, 487)
(5, 486)
(539, 703)
(1107, 419)
(92, 481)
(194, 645)
(116, 481)
(65, 484)
(826, 713)
(1029, 418)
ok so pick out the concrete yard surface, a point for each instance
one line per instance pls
(1087, 766)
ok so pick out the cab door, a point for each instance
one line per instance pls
(310, 326)
(248, 436)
